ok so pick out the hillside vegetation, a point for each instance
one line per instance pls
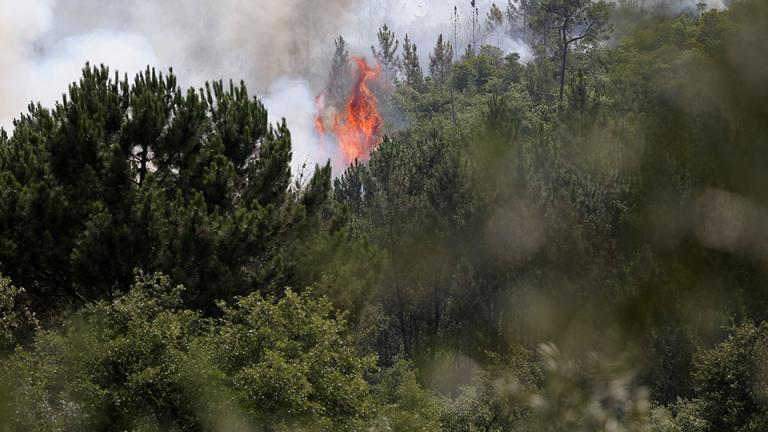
(576, 242)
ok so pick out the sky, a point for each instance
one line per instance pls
(281, 48)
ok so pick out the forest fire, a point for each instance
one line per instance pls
(357, 126)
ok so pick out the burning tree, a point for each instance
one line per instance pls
(357, 123)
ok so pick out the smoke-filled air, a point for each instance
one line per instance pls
(384, 215)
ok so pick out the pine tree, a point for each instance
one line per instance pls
(475, 25)
(146, 175)
(410, 64)
(455, 19)
(495, 18)
(440, 60)
(386, 54)
(340, 77)
(519, 18)
(574, 21)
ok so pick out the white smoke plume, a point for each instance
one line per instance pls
(20, 26)
(293, 99)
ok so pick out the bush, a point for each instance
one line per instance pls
(405, 406)
(143, 362)
(730, 378)
(683, 416)
(15, 317)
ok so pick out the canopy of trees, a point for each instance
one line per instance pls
(570, 242)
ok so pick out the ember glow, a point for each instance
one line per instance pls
(357, 127)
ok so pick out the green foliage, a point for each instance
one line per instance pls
(477, 408)
(386, 54)
(122, 175)
(16, 319)
(400, 201)
(682, 416)
(606, 195)
(497, 399)
(475, 72)
(289, 360)
(410, 64)
(572, 22)
(142, 362)
(731, 380)
(441, 60)
(597, 203)
(405, 406)
(113, 365)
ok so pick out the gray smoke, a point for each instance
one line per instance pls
(677, 6)
(258, 40)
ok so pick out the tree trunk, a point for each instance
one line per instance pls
(562, 65)
(525, 23)
(453, 110)
(143, 164)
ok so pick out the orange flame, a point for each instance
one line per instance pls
(358, 127)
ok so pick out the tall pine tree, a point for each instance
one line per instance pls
(386, 53)
(340, 78)
(440, 60)
(410, 65)
(124, 175)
